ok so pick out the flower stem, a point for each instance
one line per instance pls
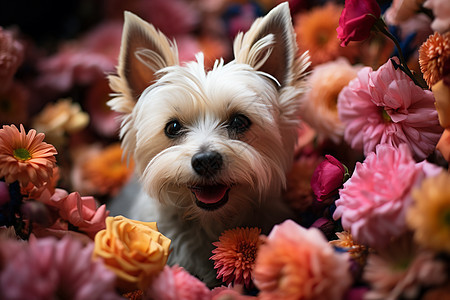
(381, 26)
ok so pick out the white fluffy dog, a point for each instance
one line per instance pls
(211, 147)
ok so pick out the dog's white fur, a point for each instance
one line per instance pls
(263, 83)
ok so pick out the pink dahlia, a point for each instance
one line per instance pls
(55, 269)
(299, 263)
(11, 57)
(83, 61)
(176, 283)
(374, 201)
(386, 107)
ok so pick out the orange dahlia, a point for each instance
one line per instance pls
(106, 171)
(235, 255)
(432, 55)
(25, 156)
(316, 32)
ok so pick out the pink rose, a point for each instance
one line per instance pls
(327, 178)
(81, 212)
(357, 19)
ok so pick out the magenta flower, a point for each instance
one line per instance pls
(176, 283)
(327, 178)
(374, 201)
(387, 107)
(54, 269)
(357, 20)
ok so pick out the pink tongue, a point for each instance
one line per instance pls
(209, 194)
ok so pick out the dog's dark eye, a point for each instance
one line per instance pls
(173, 129)
(239, 124)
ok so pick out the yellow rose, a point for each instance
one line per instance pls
(136, 251)
(441, 94)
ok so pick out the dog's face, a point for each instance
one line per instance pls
(212, 143)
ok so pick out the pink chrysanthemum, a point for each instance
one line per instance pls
(25, 156)
(386, 107)
(235, 255)
(374, 201)
(51, 269)
(175, 283)
(298, 263)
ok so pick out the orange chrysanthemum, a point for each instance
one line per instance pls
(107, 171)
(25, 156)
(432, 56)
(235, 255)
(316, 32)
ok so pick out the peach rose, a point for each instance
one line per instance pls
(441, 93)
(136, 251)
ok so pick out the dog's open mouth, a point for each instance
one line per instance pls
(210, 197)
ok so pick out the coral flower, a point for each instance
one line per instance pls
(48, 268)
(319, 104)
(25, 157)
(235, 254)
(372, 210)
(386, 107)
(107, 171)
(175, 283)
(429, 216)
(432, 56)
(400, 271)
(316, 32)
(299, 263)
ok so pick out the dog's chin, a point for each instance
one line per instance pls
(210, 197)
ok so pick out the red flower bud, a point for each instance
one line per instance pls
(357, 20)
(327, 178)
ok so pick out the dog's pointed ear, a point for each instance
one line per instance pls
(143, 52)
(270, 45)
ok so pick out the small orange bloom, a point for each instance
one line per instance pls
(25, 157)
(316, 32)
(432, 56)
(235, 255)
(136, 251)
(107, 171)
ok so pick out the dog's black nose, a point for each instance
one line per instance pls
(207, 163)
